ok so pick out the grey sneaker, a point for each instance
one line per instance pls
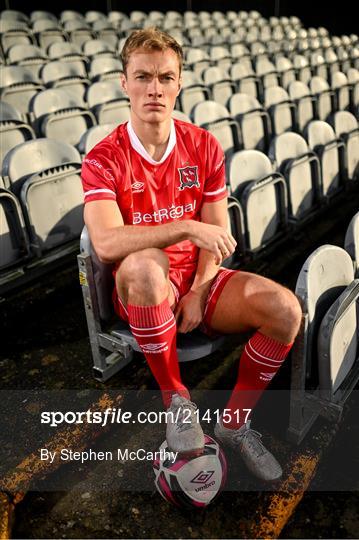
(254, 454)
(184, 433)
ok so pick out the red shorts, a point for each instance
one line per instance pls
(181, 282)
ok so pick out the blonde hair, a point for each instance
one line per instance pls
(150, 39)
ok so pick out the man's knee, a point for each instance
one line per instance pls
(143, 272)
(287, 313)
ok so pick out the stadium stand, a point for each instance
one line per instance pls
(108, 102)
(253, 121)
(13, 130)
(346, 128)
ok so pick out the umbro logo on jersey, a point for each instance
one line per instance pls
(188, 177)
(138, 187)
(154, 348)
(266, 377)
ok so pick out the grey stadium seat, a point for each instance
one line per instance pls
(105, 68)
(220, 85)
(324, 95)
(13, 130)
(216, 118)
(253, 120)
(280, 108)
(346, 127)
(29, 56)
(59, 115)
(179, 115)
(112, 343)
(193, 91)
(305, 103)
(351, 242)
(93, 136)
(300, 167)
(326, 351)
(342, 88)
(66, 75)
(331, 151)
(18, 86)
(45, 175)
(263, 196)
(246, 80)
(108, 102)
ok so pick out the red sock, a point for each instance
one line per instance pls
(155, 330)
(261, 359)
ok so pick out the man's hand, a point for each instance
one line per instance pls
(212, 238)
(189, 311)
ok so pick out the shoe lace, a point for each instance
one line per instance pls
(253, 440)
(182, 420)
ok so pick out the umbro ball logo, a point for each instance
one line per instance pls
(154, 348)
(202, 477)
(188, 177)
(138, 187)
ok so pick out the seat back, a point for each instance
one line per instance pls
(346, 126)
(280, 107)
(338, 343)
(301, 170)
(300, 94)
(323, 277)
(262, 195)
(253, 121)
(322, 140)
(93, 136)
(34, 156)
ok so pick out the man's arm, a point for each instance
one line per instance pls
(112, 240)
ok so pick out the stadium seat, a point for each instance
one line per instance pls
(262, 194)
(112, 343)
(253, 120)
(346, 127)
(79, 31)
(48, 31)
(220, 85)
(302, 68)
(216, 118)
(281, 109)
(351, 242)
(267, 73)
(325, 105)
(193, 91)
(300, 167)
(105, 69)
(342, 89)
(93, 136)
(325, 365)
(353, 80)
(305, 103)
(286, 71)
(246, 80)
(66, 75)
(14, 33)
(331, 152)
(45, 175)
(60, 115)
(96, 47)
(18, 86)
(197, 60)
(13, 130)
(29, 56)
(108, 102)
(14, 245)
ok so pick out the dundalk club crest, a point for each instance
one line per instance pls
(188, 177)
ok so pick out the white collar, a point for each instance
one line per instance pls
(138, 146)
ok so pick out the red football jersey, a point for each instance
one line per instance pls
(151, 193)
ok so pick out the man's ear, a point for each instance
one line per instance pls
(123, 82)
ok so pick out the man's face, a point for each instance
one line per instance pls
(152, 83)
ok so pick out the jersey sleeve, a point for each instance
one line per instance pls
(98, 175)
(215, 188)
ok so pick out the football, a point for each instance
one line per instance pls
(191, 482)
